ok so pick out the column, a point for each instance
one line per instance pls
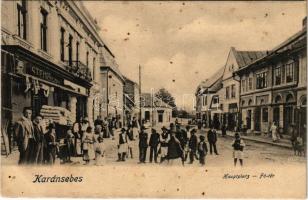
(252, 119)
(281, 116)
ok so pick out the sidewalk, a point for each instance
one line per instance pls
(285, 143)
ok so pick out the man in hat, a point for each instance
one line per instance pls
(123, 146)
(154, 142)
(212, 139)
(164, 139)
(202, 150)
(193, 141)
(24, 136)
(143, 144)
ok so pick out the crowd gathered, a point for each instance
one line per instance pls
(42, 143)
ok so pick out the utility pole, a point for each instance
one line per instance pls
(140, 94)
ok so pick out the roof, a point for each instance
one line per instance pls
(281, 46)
(146, 101)
(244, 58)
(210, 82)
(129, 80)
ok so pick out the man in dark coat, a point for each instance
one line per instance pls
(154, 141)
(37, 158)
(212, 139)
(24, 136)
(143, 144)
(193, 142)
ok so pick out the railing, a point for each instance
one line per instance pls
(79, 69)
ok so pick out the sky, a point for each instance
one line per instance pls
(179, 44)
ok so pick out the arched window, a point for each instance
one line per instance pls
(278, 99)
(250, 102)
(289, 98)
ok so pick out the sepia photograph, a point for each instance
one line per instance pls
(153, 99)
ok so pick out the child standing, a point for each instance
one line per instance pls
(202, 150)
(238, 147)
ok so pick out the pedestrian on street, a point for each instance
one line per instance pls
(130, 136)
(99, 148)
(77, 136)
(202, 150)
(193, 142)
(111, 127)
(223, 130)
(51, 144)
(212, 139)
(24, 136)
(143, 145)
(154, 142)
(123, 146)
(164, 139)
(88, 141)
(293, 133)
(175, 150)
(238, 148)
(135, 127)
(275, 135)
(38, 134)
(98, 122)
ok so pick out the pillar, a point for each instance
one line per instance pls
(281, 116)
(252, 119)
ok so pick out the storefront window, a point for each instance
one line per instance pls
(265, 114)
(22, 19)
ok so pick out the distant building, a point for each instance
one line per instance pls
(154, 110)
(131, 100)
(208, 98)
(274, 87)
(112, 84)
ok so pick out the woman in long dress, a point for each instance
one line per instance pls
(88, 141)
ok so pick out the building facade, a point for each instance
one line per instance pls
(231, 86)
(208, 100)
(154, 110)
(50, 52)
(111, 87)
(131, 100)
(273, 88)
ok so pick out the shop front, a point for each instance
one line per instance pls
(31, 81)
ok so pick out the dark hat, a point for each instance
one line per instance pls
(237, 135)
(193, 130)
(143, 128)
(123, 130)
(89, 129)
(202, 137)
(164, 128)
(153, 130)
(51, 126)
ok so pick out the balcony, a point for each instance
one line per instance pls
(78, 69)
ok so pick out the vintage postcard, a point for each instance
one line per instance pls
(153, 99)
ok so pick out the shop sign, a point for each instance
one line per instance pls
(42, 74)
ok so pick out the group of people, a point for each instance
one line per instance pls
(36, 143)
(170, 144)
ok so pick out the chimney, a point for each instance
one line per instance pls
(305, 22)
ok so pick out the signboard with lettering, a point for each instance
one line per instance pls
(43, 74)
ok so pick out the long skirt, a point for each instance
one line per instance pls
(135, 132)
(123, 148)
(88, 152)
(78, 146)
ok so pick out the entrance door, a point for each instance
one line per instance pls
(147, 115)
(257, 118)
(248, 119)
(38, 100)
(160, 117)
(287, 116)
(276, 115)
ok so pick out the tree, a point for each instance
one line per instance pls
(166, 97)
